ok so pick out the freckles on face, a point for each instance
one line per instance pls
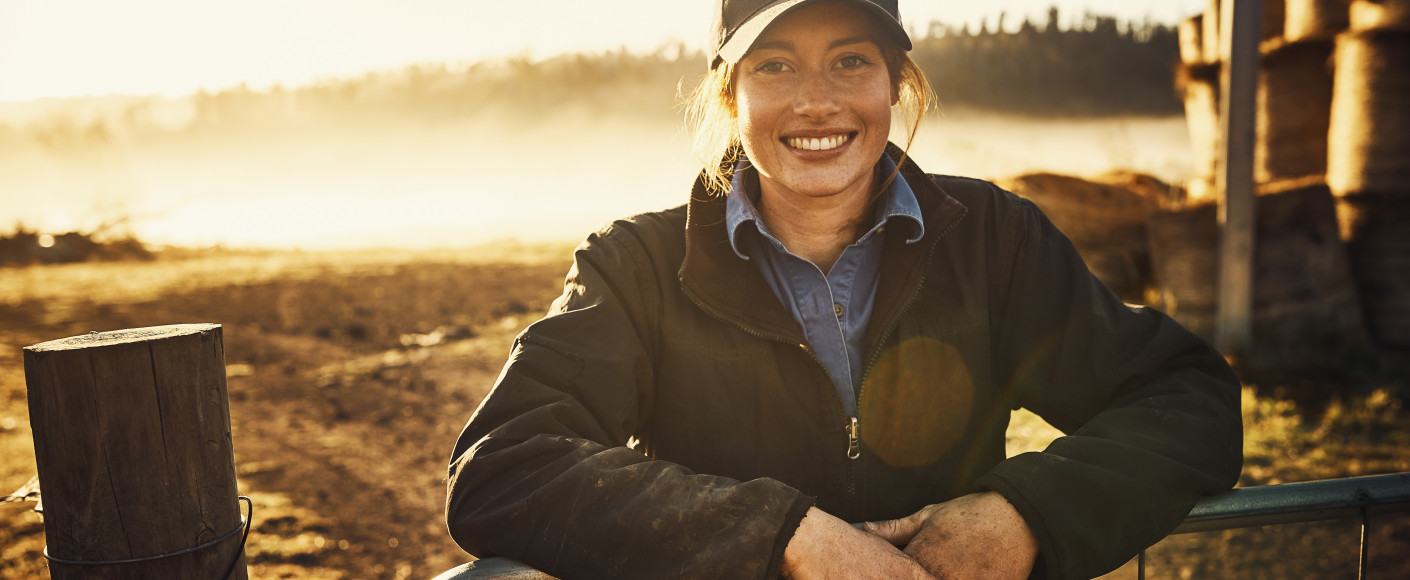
(814, 98)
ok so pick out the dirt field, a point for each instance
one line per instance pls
(341, 433)
(342, 424)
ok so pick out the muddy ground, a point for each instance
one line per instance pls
(351, 375)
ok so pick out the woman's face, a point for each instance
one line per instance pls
(814, 103)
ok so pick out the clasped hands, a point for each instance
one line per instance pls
(979, 535)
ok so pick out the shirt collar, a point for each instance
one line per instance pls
(898, 201)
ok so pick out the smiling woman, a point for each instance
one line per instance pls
(827, 334)
(712, 107)
(815, 103)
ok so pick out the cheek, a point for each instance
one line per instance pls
(879, 103)
(875, 111)
(754, 126)
(750, 111)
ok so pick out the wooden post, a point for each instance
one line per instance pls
(132, 439)
(1240, 22)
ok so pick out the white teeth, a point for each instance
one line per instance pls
(818, 144)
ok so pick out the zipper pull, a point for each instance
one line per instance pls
(854, 442)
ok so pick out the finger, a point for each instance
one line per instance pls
(898, 532)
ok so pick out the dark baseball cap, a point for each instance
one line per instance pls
(738, 23)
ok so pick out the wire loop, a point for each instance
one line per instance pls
(244, 525)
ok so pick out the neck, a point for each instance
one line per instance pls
(817, 229)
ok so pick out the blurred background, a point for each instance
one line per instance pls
(432, 123)
(373, 198)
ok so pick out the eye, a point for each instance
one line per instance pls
(852, 62)
(772, 66)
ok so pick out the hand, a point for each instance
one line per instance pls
(979, 535)
(827, 547)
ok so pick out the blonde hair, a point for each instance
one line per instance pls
(712, 114)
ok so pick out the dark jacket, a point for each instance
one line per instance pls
(667, 418)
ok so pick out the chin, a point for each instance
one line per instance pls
(834, 178)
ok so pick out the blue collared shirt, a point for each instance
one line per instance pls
(832, 308)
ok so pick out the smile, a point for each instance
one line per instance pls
(818, 143)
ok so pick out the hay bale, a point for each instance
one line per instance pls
(1306, 312)
(1106, 222)
(1374, 225)
(1145, 185)
(1201, 190)
(1191, 34)
(1274, 18)
(1200, 86)
(1369, 135)
(1204, 30)
(1294, 110)
(1184, 246)
(1314, 19)
(1210, 35)
(1380, 15)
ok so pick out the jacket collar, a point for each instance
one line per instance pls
(732, 288)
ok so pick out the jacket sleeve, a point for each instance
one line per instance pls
(542, 472)
(1150, 411)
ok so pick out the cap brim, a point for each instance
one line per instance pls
(743, 39)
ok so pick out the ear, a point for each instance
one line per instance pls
(732, 97)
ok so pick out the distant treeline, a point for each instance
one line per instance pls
(1100, 66)
(24, 247)
(1095, 66)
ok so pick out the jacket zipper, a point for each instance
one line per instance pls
(854, 429)
(854, 442)
(853, 426)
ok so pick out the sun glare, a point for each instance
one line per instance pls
(532, 145)
(65, 48)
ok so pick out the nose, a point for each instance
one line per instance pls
(817, 97)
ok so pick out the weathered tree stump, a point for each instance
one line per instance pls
(132, 440)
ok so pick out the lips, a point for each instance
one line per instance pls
(818, 143)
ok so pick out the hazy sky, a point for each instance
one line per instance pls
(54, 48)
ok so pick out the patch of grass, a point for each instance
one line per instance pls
(1353, 435)
(1357, 435)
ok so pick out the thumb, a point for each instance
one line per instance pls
(899, 531)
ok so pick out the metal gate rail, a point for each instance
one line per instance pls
(1299, 502)
(1239, 508)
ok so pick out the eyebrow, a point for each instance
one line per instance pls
(785, 45)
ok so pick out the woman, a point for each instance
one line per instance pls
(825, 334)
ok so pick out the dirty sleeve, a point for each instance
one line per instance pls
(543, 472)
